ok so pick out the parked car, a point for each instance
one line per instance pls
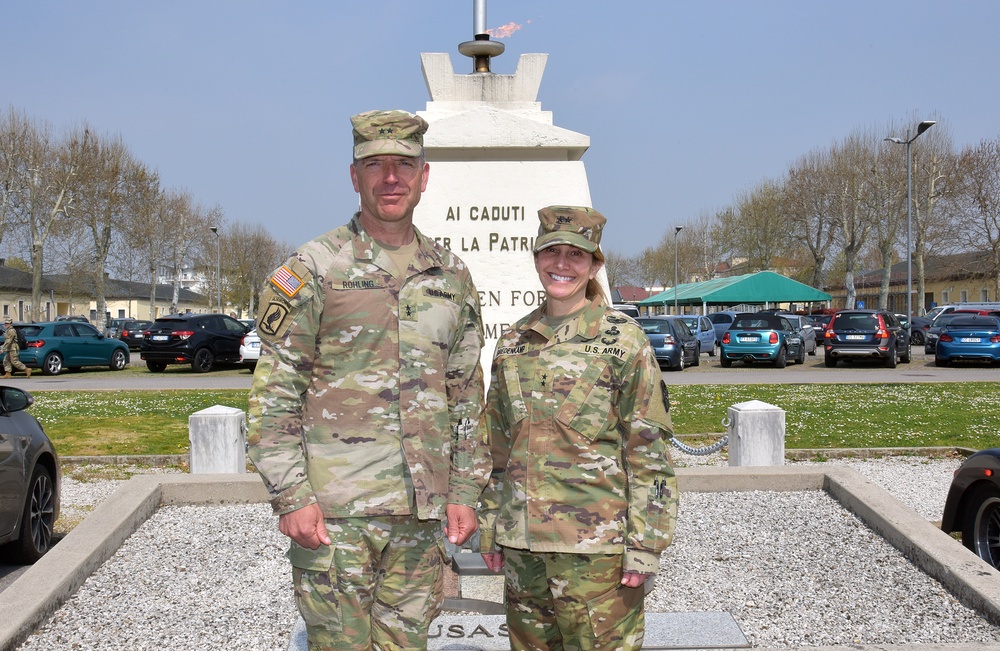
(973, 505)
(866, 334)
(932, 333)
(971, 337)
(30, 480)
(131, 332)
(54, 346)
(114, 328)
(201, 340)
(81, 319)
(673, 344)
(820, 323)
(804, 326)
(627, 309)
(250, 349)
(761, 337)
(721, 322)
(702, 328)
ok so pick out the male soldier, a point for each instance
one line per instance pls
(12, 350)
(366, 402)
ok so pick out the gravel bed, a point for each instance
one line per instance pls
(792, 568)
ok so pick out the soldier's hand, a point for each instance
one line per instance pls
(494, 561)
(305, 526)
(462, 523)
(633, 579)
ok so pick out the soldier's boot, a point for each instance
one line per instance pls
(27, 372)
(6, 376)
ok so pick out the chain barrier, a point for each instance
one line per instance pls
(708, 449)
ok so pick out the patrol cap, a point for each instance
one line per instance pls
(7, 320)
(574, 225)
(396, 133)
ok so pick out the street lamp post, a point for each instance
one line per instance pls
(923, 126)
(677, 230)
(218, 267)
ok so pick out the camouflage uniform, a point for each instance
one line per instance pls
(582, 489)
(11, 350)
(367, 400)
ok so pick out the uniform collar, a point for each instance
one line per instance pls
(366, 248)
(587, 325)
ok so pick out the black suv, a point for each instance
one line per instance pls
(201, 340)
(130, 331)
(866, 334)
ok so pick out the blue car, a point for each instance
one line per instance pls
(762, 337)
(702, 328)
(673, 344)
(57, 345)
(972, 337)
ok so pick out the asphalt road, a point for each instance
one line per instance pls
(921, 369)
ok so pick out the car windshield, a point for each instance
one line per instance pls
(944, 319)
(720, 318)
(755, 322)
(863, 321)
(690, 321)
(655, 326)
(974, 323)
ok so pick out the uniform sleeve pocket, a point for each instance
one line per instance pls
(587, 407)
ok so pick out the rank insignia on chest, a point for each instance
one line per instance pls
(286, 281)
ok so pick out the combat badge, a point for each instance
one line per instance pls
(615, 319)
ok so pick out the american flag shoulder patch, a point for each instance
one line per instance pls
(287, 281)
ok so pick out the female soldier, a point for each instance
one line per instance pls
(582, 498)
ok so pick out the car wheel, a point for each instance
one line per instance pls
(802, 355)
(905, 357)
(36, 522)
(813, 351)
(917, 338)
(782, 359)
(156, 367)
(725, 361)
(118, 360)
(940, 362)
(890, 361)
(697, 356)
(830, 361)
(715, 348)
(204, 360)
(53, 364)
(981, 523)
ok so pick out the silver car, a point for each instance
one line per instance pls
(29, 480)
(806, 330)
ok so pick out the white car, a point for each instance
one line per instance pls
(250, 349)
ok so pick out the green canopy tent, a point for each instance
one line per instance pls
(761, 288)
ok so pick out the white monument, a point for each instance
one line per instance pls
(495, 160)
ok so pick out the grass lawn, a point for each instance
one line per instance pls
(138, 422)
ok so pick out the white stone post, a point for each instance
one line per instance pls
(218, 440)
(756, 434)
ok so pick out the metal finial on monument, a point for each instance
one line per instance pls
(482, 49)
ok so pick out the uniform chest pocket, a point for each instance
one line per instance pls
(517, 410)
(587, 408)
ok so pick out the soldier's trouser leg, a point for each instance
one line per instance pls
(383, 588)
(571, 602)
(15, 359)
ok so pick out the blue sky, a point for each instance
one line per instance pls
(246, 104)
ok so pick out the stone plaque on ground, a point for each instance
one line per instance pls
(713, 630)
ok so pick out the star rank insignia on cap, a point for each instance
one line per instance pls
(286, 280)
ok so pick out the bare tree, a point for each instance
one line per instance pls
(249, 255)
(977, 195)
(807, 204)
(619, 269)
